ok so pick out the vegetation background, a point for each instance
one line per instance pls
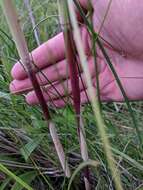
(26, 148)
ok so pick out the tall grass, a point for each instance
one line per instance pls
(19, 122)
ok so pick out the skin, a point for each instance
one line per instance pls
(122, 28)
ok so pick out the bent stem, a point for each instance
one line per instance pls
(19, 39)
(74, 78)
(94, 101)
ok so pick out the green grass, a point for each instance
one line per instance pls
(21, 124)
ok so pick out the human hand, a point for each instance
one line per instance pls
(122, 28)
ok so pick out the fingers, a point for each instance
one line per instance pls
(59, 103)
(64, 89)
(48, 53)
(53, 90)
(48, 75)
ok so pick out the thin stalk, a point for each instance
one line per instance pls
(74, 77)
(94, 101)
(96, 71)
(32, 19)
(84, 87)
(19, 39)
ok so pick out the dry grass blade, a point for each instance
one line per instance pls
(18, 36)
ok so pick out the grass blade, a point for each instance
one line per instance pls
(31, 146)
(80, 167)
(28, 177)
(16, 178)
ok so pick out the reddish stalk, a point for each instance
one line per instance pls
(74, 77)
(18, 36)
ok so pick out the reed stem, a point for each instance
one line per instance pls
(19, 39)
(74, 77)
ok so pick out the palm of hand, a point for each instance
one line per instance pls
(122, 28)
